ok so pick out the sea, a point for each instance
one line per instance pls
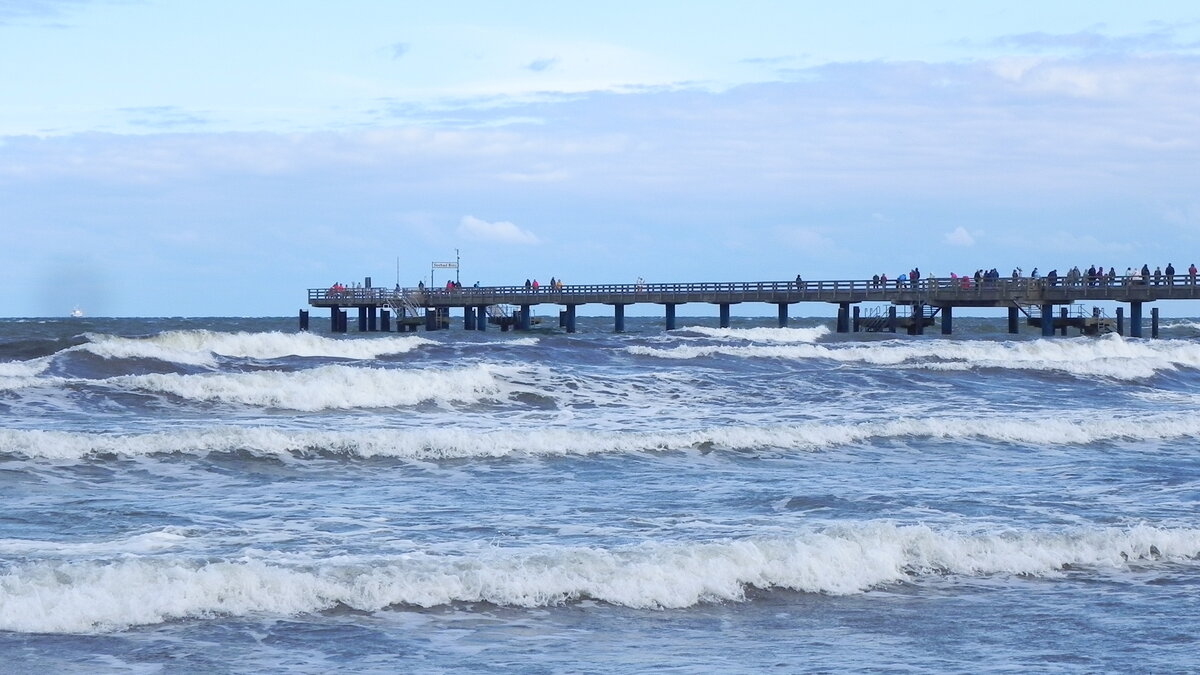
(233, 495)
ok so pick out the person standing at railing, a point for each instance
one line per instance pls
(1192, 274)
(1170, 271)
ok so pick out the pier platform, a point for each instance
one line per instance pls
(912, 307)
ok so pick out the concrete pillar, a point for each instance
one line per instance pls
(1047, 320)
(1135, 319)
(333, 318)
(1062, 312)
(670, 316)
(619, 318)
(1014, 325)
(481, 318)
(855, 313)
(892, 319)
(1120, 321)
(468, 318)
(562, 318)
(342, 321)
(362, 319)
(430, 319)
(783, 315)
(1154, 322)
(526, 317)
(725, 315)
(372, 318)
(947, 320)
(385, 321)
(843, 317)
(570, 318)
(304, 319)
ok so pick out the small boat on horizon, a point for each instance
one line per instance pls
(76, 312)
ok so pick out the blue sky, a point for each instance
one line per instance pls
(218, 158)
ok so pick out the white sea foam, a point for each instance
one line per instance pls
(1110, 357)
(21, 374)
(464, 443)
(778, 335)
(334, 387)
(198, 347)
(146, 542)
(105, 595)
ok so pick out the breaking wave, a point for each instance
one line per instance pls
(1112, 356)
(463, 443)
(114, 594)
(199, 347)
(334, 387)
(780, 335)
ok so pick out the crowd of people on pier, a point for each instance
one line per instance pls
(1094, 275)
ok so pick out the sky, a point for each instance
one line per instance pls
(218, 158)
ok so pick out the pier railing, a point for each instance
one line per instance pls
(936, 291)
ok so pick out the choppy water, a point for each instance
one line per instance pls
(231, 495)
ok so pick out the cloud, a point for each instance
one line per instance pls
(1092, 42)
(500, 231)
(162, 117)
(960, 237)
(399, 49)
(542, 65)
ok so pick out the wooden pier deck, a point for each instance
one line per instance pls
(924, 302)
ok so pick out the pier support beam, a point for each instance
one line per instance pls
(892, 319)
(619, 318)
(1120, 321)
(304, 319)
(783, 315)
(362, 319)
(670, 316)
(725, 315)
(333, 318)
(385, 321)
(570, 318)
(481, 318)
(562, 318)
(1062, 313)
(1154, 322)
(917, 327)
(855, 322)
(843, 317)
(1047, 320)
(430, 319)
(1014, 326)
(947, 320)
(526, 317)
(468, 318)
(1135, 319)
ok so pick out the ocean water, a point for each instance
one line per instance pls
(231, 495)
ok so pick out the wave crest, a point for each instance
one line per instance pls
(111, 595)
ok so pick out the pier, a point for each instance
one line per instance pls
(893, 306)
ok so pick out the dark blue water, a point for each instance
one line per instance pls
(209, 495)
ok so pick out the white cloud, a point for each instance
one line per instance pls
(960, 237)
(501, 231)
